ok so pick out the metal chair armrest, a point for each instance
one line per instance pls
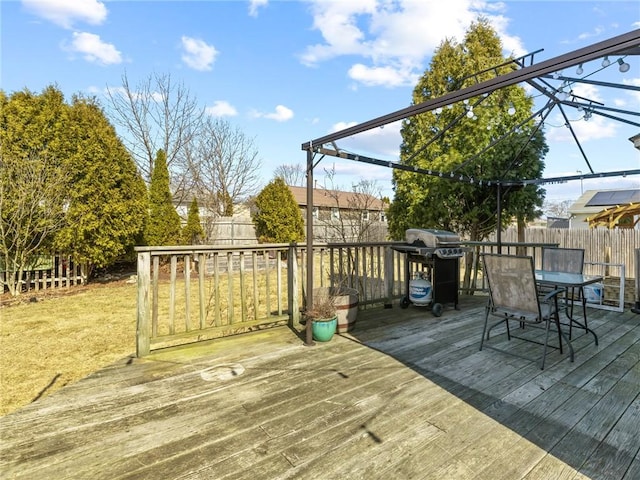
(552, 294)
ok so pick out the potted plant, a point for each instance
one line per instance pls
(323, 316)
(340, 303)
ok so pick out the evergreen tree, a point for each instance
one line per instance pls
(193, 233)
(277, 217)
(468, 208)
(49, 143)
(108, 202)
(164, 222)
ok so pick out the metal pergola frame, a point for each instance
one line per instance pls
(523, 70)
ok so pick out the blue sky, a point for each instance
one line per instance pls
(286, 72)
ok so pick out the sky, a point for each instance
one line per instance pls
(286, 72)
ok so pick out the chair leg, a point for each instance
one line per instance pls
(546, 340)
(571, 310)
(557, 320)
(484, 329)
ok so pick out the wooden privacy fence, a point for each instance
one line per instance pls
(600, 245)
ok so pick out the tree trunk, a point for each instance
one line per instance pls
(521, 230)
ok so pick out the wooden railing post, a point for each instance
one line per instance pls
(293, 281)
(636, 305)
(143, 342)
(388, 277)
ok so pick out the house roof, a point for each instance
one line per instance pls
(557, 222)
(594, 201)
(335, 198)
(607, 198)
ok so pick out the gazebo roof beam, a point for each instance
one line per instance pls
(598, 83)
(607, 47)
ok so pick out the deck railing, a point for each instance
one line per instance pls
(192, 293)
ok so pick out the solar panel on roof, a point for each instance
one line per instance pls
(617, 197)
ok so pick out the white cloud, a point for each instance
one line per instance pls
(382, 76)
(281, 114)
(221, 108)
(198, 54)
(93, 49)
(597, 31)
(254, 5)
(383, 143)
(596, 128)
(66, 12)
(590, 92)
(341, 126)
(396, 37)
(635, 95)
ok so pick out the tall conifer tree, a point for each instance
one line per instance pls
(193, 233)
(467, 208)
(164, 221)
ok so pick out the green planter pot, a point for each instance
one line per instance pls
(323, 330)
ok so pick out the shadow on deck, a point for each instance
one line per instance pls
(405, 395)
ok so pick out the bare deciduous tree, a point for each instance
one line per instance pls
(224, 166)
(355, 221)
(32, 202)
(157, 115)
(293, 175)
(557, 209)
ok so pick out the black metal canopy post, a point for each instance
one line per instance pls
(309, 280)
(499, 230)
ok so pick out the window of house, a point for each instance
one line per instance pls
(382, 217)
(335, 213)
(316, 212)
(365, 215)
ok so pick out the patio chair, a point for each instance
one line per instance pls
(513, 296)
(569, 260)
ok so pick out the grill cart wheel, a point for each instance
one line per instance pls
(404, 303)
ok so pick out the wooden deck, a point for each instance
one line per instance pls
(406, 396)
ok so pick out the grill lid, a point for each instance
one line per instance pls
(432, 238)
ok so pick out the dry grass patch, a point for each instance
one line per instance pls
(60, 339)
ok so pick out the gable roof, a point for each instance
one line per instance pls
(593, 201)
(607, 198)
(335, 198)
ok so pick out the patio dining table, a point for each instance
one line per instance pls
(547, 278)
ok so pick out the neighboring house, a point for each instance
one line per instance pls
(334, 204)
(558, 222)
(344, 216)
(595, 201)
(338, 216)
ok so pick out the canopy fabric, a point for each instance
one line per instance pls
(621, 216)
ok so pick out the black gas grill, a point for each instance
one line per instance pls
(437, 251)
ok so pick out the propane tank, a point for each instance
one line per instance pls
(420, 289)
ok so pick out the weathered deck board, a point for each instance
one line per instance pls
(406, 395)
